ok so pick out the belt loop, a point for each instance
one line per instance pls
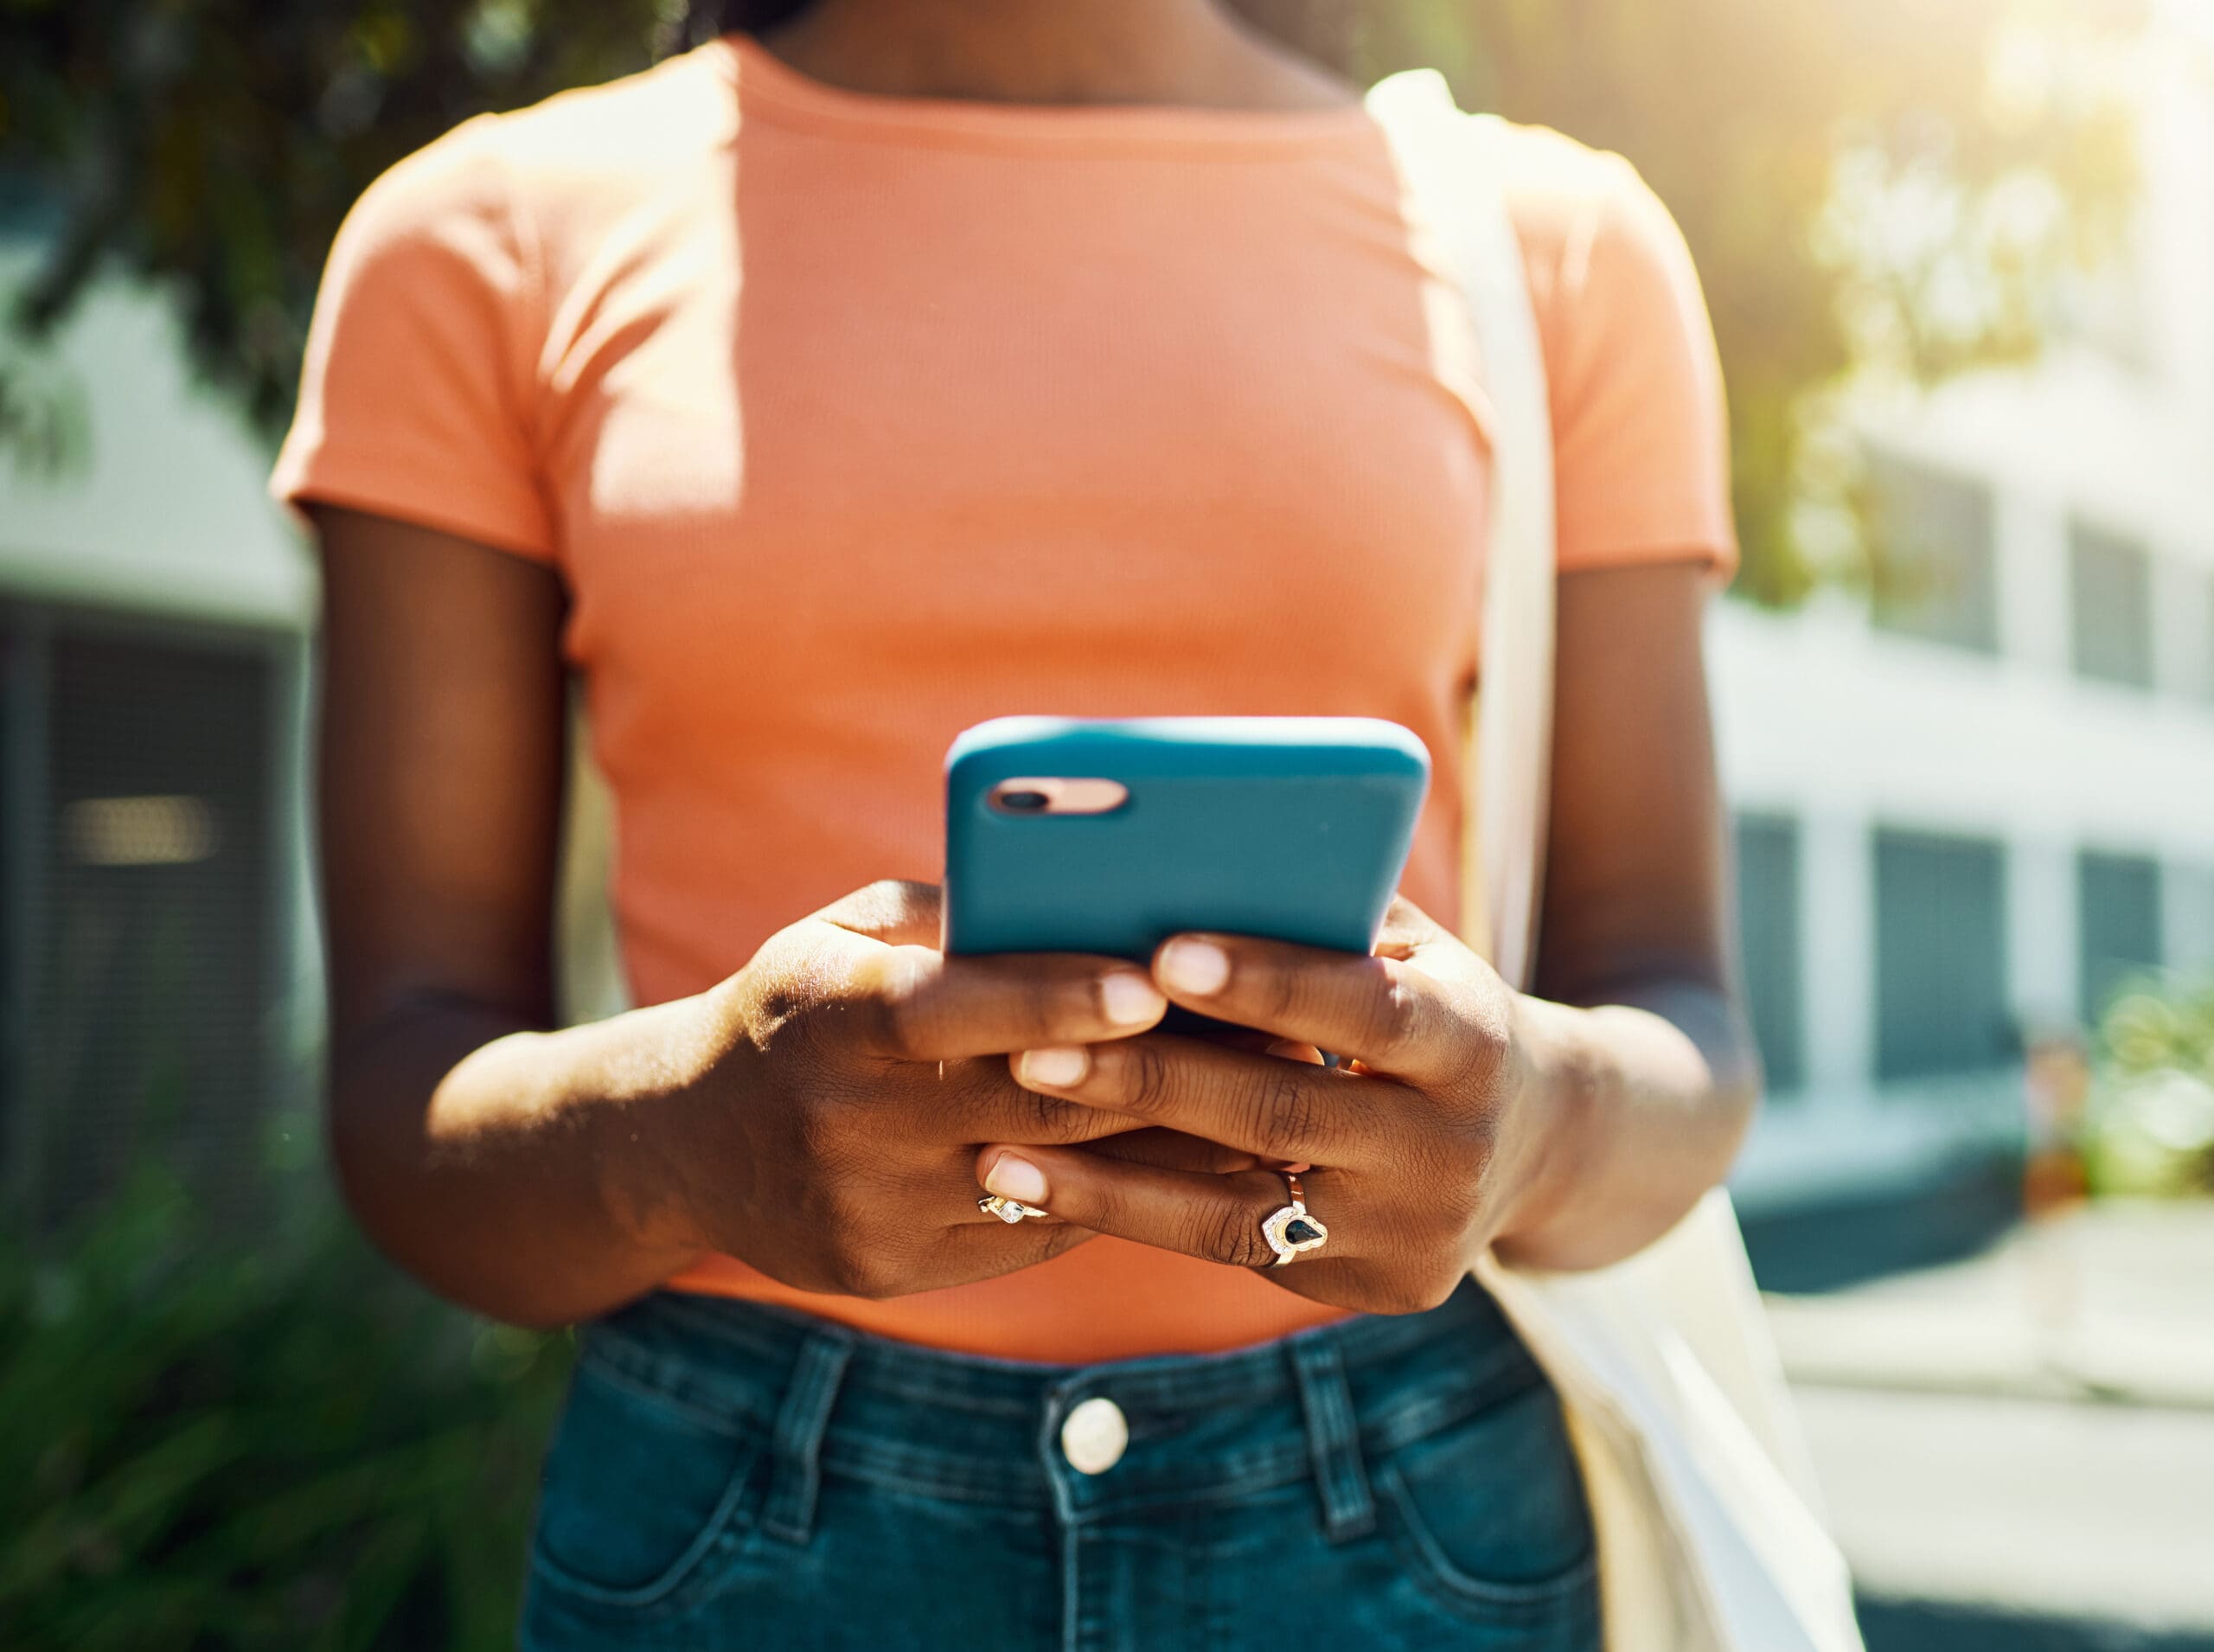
(796, 1447)
(1332, 1437)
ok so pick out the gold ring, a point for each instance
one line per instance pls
(1292, 1230)
(1009, 1211)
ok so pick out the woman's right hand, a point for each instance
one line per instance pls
(816, 1114)
(827, 1126)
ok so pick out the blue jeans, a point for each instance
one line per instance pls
(728, 1475)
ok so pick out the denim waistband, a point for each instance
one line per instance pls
(831, 1400)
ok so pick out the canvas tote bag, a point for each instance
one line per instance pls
(1709, 1530)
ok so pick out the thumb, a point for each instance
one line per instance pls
(896, 912)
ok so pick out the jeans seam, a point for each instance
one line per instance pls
(1417, 1416)
(684, 1580)
(795, 1442)
(682, 1374)
(732, 1424)
(1434, 1572)
(1333, 1439)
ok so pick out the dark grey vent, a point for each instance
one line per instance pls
(143, 881)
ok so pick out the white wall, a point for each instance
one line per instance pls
(166, 511)
(164, 514)
(1844, 728)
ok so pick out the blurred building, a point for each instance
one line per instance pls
(1964, 811)
(154, 963)
(1970, 807)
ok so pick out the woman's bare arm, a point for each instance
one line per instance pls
(459, 1131)
(1636, 924)
(815, 1113)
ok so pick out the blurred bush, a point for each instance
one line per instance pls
(2151, 1128)
(223, 1442)
(1875, 190)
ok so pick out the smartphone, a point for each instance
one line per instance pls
(1071, 836)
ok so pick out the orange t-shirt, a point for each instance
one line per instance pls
(850, 421)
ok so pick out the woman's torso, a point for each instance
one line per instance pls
(852, 421)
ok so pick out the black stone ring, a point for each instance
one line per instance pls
(1291, 1230)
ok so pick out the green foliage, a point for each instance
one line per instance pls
(43, 417)
(2153, 1110)
(1864, 183)
(2157, 1025)
(215, 143)
(223, 1445)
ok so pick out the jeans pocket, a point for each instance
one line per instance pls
(1488, 1514)
(646, 1500)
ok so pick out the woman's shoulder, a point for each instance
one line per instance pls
(572, 161)
(1639, 437)
(1570, 200)
(1608, 267)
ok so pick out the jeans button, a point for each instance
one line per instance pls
(1094, 1436)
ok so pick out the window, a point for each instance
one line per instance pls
(1941, 955)
(2206, 641)
(1768, 938)
(2118, 908)
(1935, 568)
(144, 841)
(2110, 594)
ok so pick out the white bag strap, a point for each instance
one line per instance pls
(1446, 156)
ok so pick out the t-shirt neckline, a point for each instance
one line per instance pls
(768, 84)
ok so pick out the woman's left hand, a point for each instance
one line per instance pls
(1423, 1143)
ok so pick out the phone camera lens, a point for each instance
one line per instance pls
(1023, 803)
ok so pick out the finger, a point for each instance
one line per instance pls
(1028, 1216)
(1216, 1218)
(1396, 1015)
(897, 912)
(1237, 1038)
(1262, 1103)
(960, 1254)
(1407, 929)
(996, 1109)
(935, 1201)
(917, 1004)
(964, 1102)
(1258, 1042)
(1172, 1150)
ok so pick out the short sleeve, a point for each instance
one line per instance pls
(418, 393)
(1641, 434)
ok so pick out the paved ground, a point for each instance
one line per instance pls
(2022, 1506)
(2115, 1303)
(1924, 1626)
(2019, 1448)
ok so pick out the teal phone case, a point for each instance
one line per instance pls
(1295, 829)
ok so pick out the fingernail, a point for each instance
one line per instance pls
(1060, 1066)
(1194, 966)
(1016, 1179)
(1129, 998)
